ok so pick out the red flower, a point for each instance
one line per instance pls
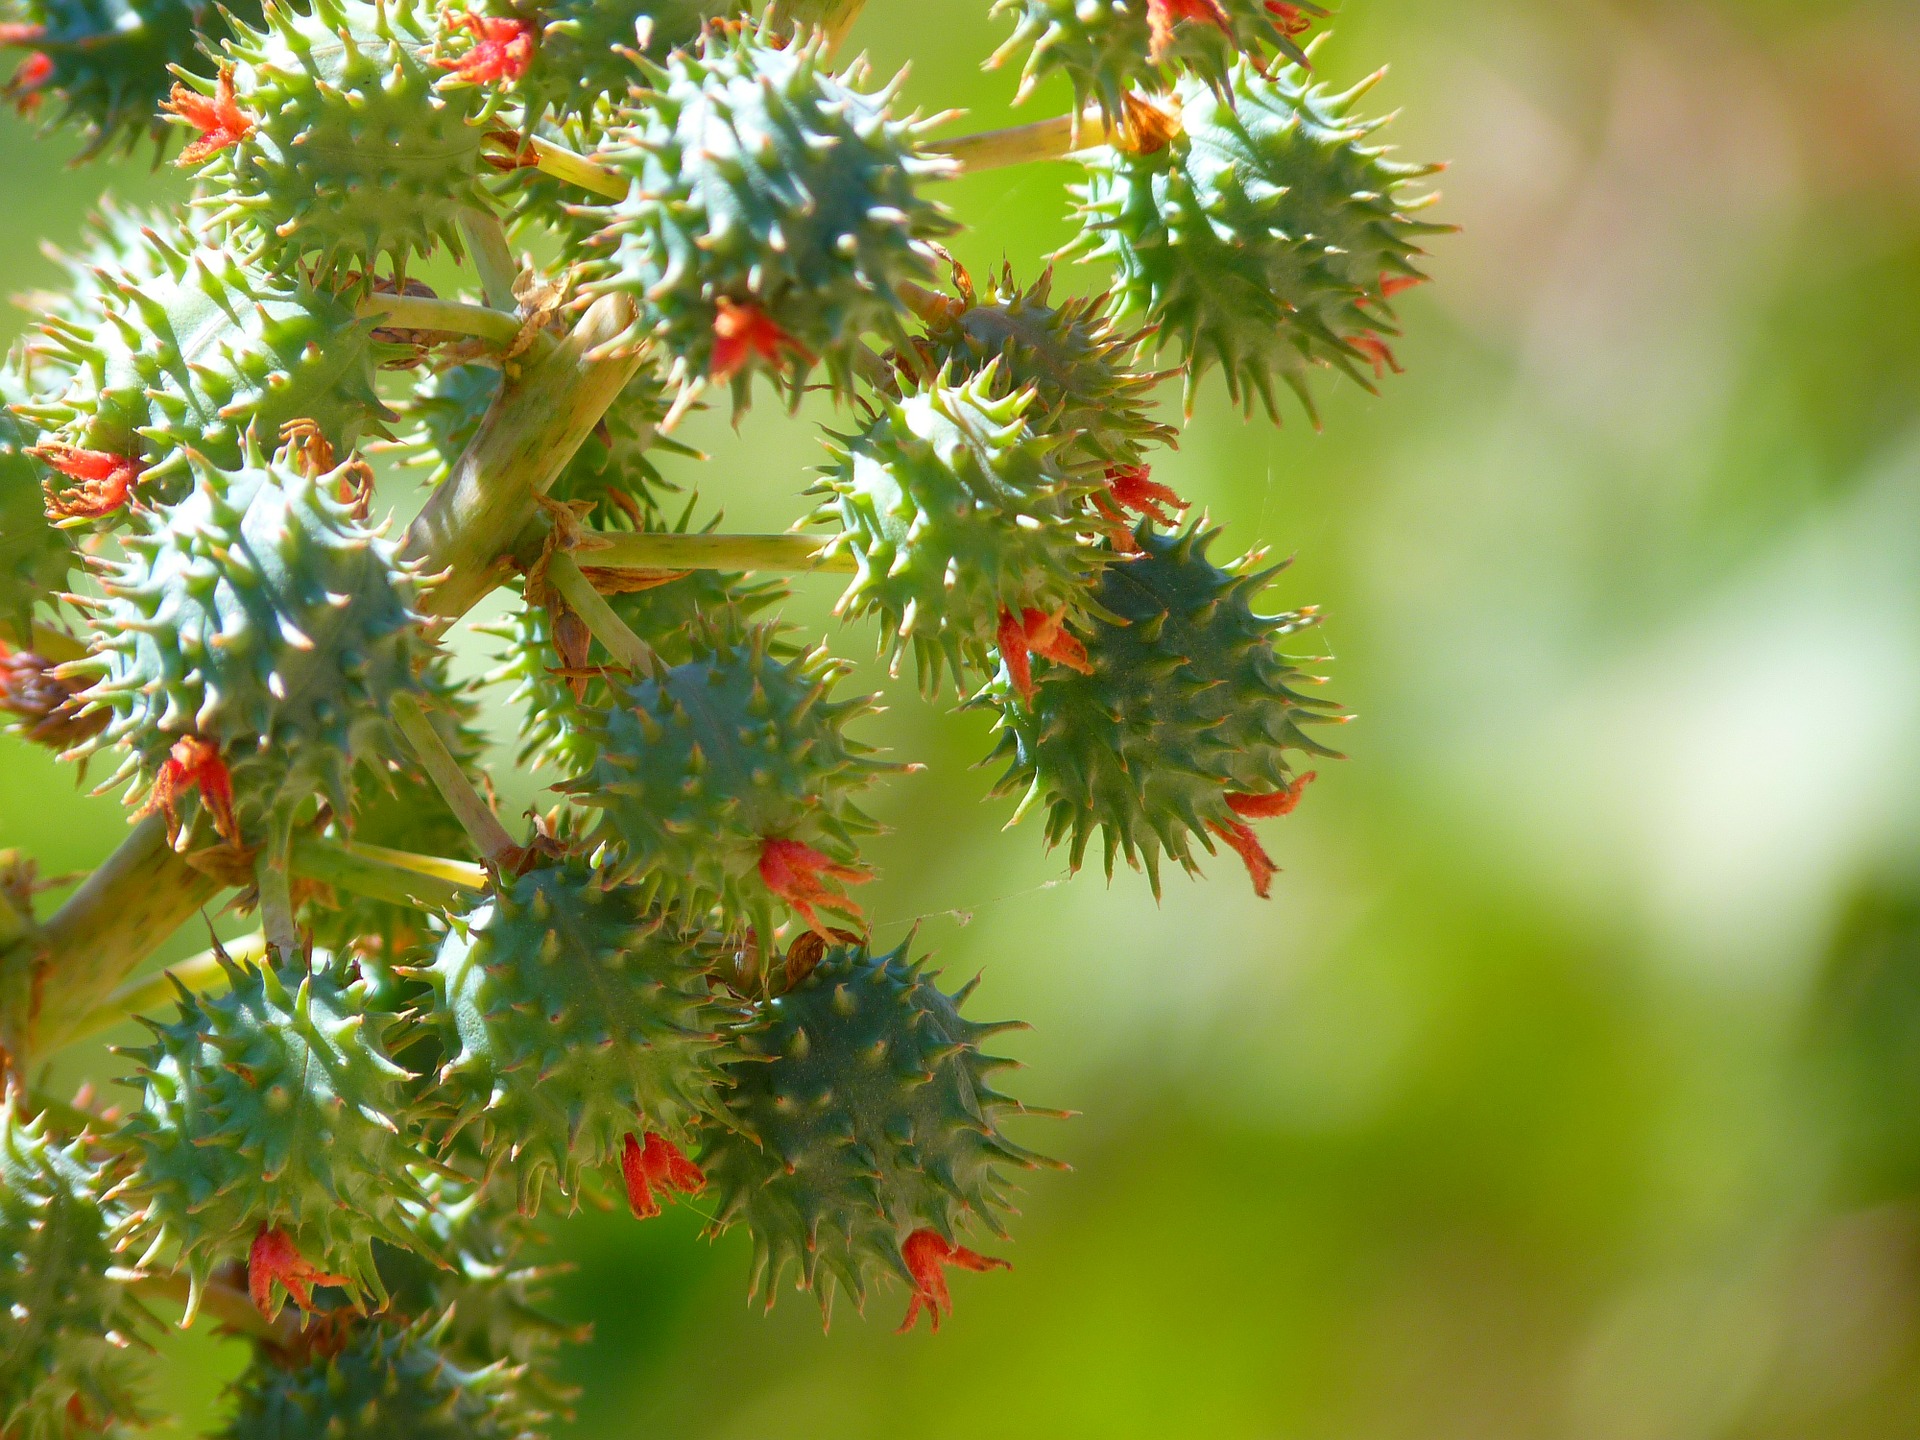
(1163, 15)
(741, 332)
(1240, 837)
(272, 1257)
(1376, 351)
(502, 48)
(926, 1255)
(193, 764)
(1037, 633)
(792, 871)
(106, 481)
(1288, 19)
(1268, 807)
(33, 73)
(1131, 487)
(658, 1164)
(219, 119)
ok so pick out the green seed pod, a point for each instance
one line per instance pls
(170, 348)
(773, 215)
(35, 557)
(262, 619)
(579, 67)
(1088, 397)
(954, 513)
(109, 63)
(572, 1017)
(386, 1380)
(272, 1106)
(70, 1334)
(860, 1113)
(612, 470)
(1184, 700)
(1266, 238)
(350, 151)
(668, 617)
(1110, 48)
(704, 770)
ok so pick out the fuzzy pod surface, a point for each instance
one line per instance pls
(273, 1105)
(384, 1379)
(1265, 238)
(861, 1110)
(261, 618)
(71, 1336)
(1108, 48)
(351, 149)
(1185, 699)
(698, 766)
(772, 201)
(954, 513)
(109, 63)
(173, 347)
(572, 1017)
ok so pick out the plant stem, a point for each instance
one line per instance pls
(417, 312)
(201, 973)
(476, 817)
(1021, 144)
(576, 169)
(225, 1303)
(613, 633)
(423, 881)
(614, 550)
(492, 257)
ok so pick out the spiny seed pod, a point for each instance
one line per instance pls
(382, 1379)
(1184, 706)
(175, 348)
(272, 1128)
(612, 470)
(35, 557)
(70, 1332)
(263, 621)
(956, 517)
(110, 63)
(1088, 397)
(728, 781)
(552, 704)
(572, 1018)
(1264, 237)
(1109, 48)
(327, 136)
(860, 1115)
(773, 215)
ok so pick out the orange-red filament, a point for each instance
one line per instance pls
(656, 1165)
(927, 1256)
(794, 872)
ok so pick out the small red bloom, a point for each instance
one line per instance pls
(272, 1257)
(105, 481)
(219, 120)
(502, 48)
(792, 871)
(926, 1254)
(658, 1164)
(1288, 19)
(1260, 867)
(33, 73)
(1163, 15)
(193, 764)
(1038, 633)
(1131, 487)
(741, 332)
(1268, 807)
(1377, 353)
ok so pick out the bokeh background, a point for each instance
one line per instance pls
(1567, 1085)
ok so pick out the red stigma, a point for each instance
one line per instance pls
(105, 481)
(742, 332)
(1377, 354)
(33, 73)
(1270, 807)
(218, 118)
(1260, 867)
(792, 871)
(1163, 15)
(273, 1257)
(193, 764)
(658, 1164)
(926, 1256)
(502, 48)
(1288, 19)
(1392, 285)
(1037, 633)
(1131, 487)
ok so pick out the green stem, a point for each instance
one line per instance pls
(575, 169)
(1022, 144)
(613, 633)
(476, 817)
(424, 882)
(417, 312)
(614, 550)
(273, 874)
(492, 258)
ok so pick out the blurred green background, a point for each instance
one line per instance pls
(1567, 1085)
